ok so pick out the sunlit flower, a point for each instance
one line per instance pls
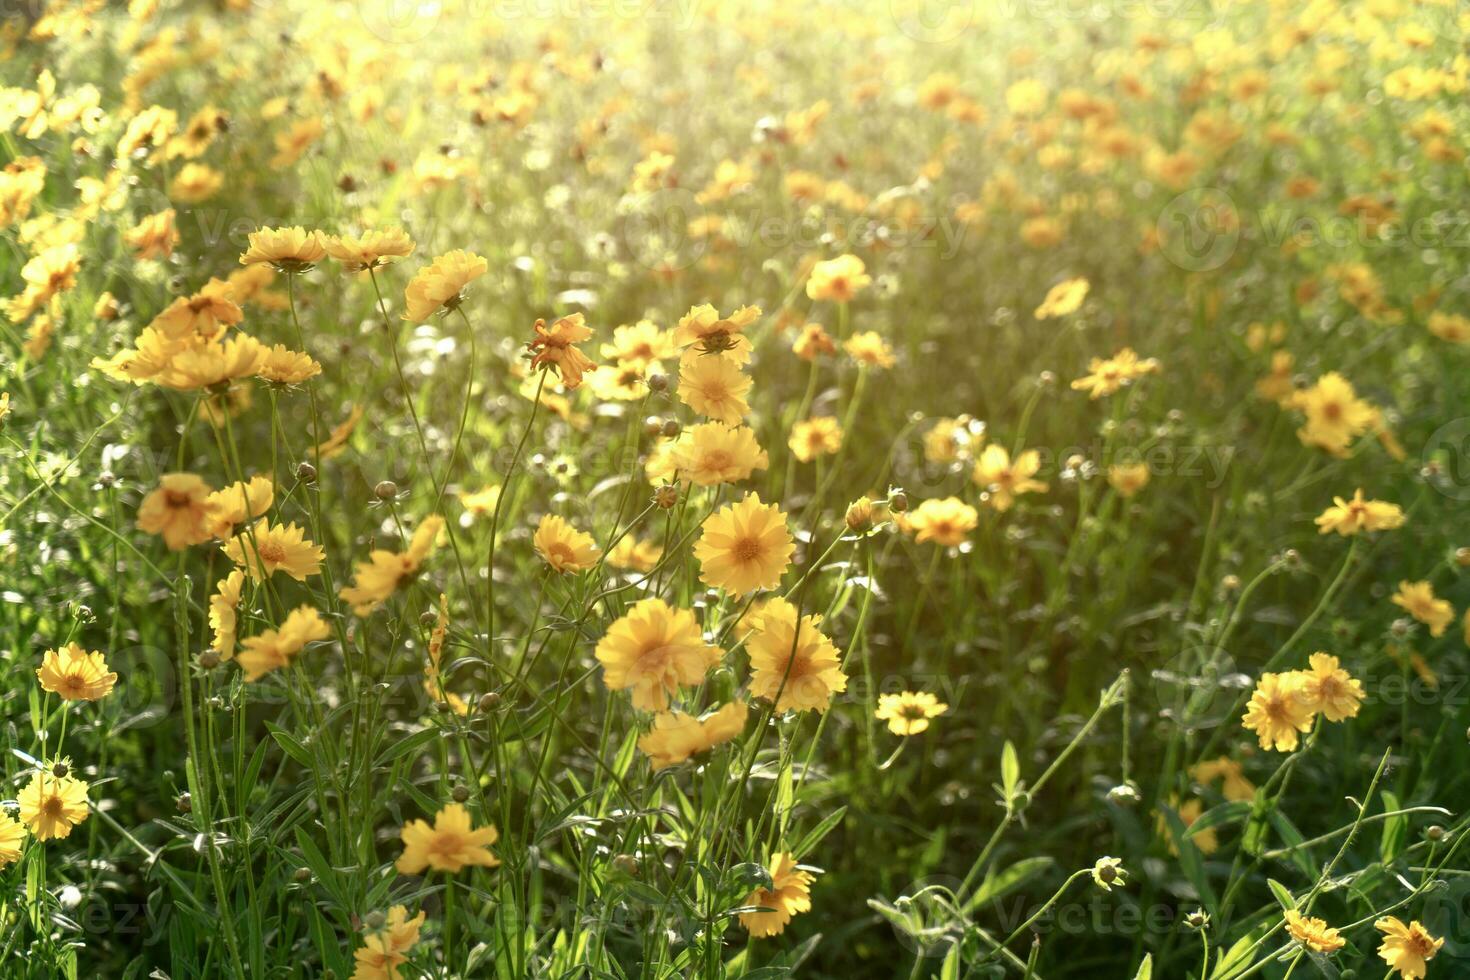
(75, 674)
(556, 346)
(675, 736)
(1419, 601)
(908, 712)
(714, 387)
(178, 510)
(451, 845)
(370, 249)
(947, 521)
(1107, 375)
(712, 453)
(1348, 517)
(284, 366)
(640, 344)
(1314, 934)
(838, 280)
(790, 894)
(440, 284)
(1278, 712)
(564, 547)
(268, 548)
(273, 649)
(793, 664)
(1406, 948)
(1006, 479)
(744, 546)
(703, 327)
(1108, 872)
(289, 250)
(651, 650)
(12, 839)
(1329, 690)
(52, 805)
(385, 572)
(223, 614)
(820, 435)
(238, 503)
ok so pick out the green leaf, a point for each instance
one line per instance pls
(1219, 816)
(1146, 968)
(1282, 893)
(813, 837)
(996, 886)
(1010, 770)
(1190, 859)
(1395, 829)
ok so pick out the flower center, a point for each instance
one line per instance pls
(272, 551)
(747, 549)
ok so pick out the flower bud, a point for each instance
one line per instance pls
(658, 382)
(898, 501)
(666, 496)
(385, 490)
(653, 425)
(671, 428)
(306, 473)
(489, 702)
(460, 793)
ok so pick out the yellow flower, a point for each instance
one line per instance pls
(812, 342)
(179, 510)
(712, 453)
(1335, 414)
(1128, 478)
(433, 681)
(1406, 948)
(195, 183)
(1450, 326)
(223, 618)
(451, 845)
(289, 250)
(790, 894)
(480, 503)
(1277, 385)
(634, 554)
(820, 435)
(1418, 600)
(213, 364)
(556, 345)
(946, 522)
(702, 326)
(284, 366)
(640, 344)
(908, 713)
(714, 387)
(370, 249)
(564, 547)
(1107, 872)
(12, 839)
(52, 805)
(676, 736)
(1106, 375)
(273, 649)
(793, 664)
(1314, 934)
(1277, 711)
(869, 349)
(1329, 690)
(238, 503)
(385, 950)
(51, 272)
(1348, 517)
(154, 237)
(744, 546)
(385, 571)
(1234, 784)
(1063, 298)
(1004, 479)
(202, 316)
(838, 280)
(267, 548)
(440, 285)
(652, 649)
(75, 674)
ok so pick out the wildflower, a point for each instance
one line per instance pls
(268, 548)
(714, 387)
(642, 344)
(179, 510)
(370, 250)
(288, 250)
(1418, 600)
(212, 365)
(223, 619)
(1107, 375)
(1007, 479)
(12, 837)
(47, 274)
(1128, 478)
(1450, 326)
(564, 547)
(947, 522)
(385, 950)
(433, 682)
(1063, 298)
(1107, 872)
(238, 503)
(1335, 414)
(812, 342)
(652, 649)
(869, 349)
(1329, 690)
(908, 713)
(792, 662)
(154, 237)
(712, 453)
(744, 546)
(789, 895)
(52, 805)
(1406, 948)
(1277, 711)
(284, 366)
(703, 327)
(203, 316)
(385, 572)
(75, 674)
(1277, 385)
(556, 346)
(675, 736)
(451, 845)
(273, 649)
(838, 280)
(1234, 786)
(195, 183)
(635, 554)
(1314, 934)
(820, 435)
(1348, 517)
(440, 285)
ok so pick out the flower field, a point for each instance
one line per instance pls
(624, 489)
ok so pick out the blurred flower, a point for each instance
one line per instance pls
(1107, 375)
(908, 712)
(223, 620)
(1419, 601)
(652, 649)
(179, 510)
(1335, 415)
(385, 572)
(1063, 298)
(946, 522)
(1349, 517)
(675, 736)
(273, 649)
(635, 554)
(12, 839)
(869, 349)
(1128, 478)
(714, 387)
(838, 280)
(385, 950)
(1004, 479)
(817, 436)
(789, 895)
(451, 845)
